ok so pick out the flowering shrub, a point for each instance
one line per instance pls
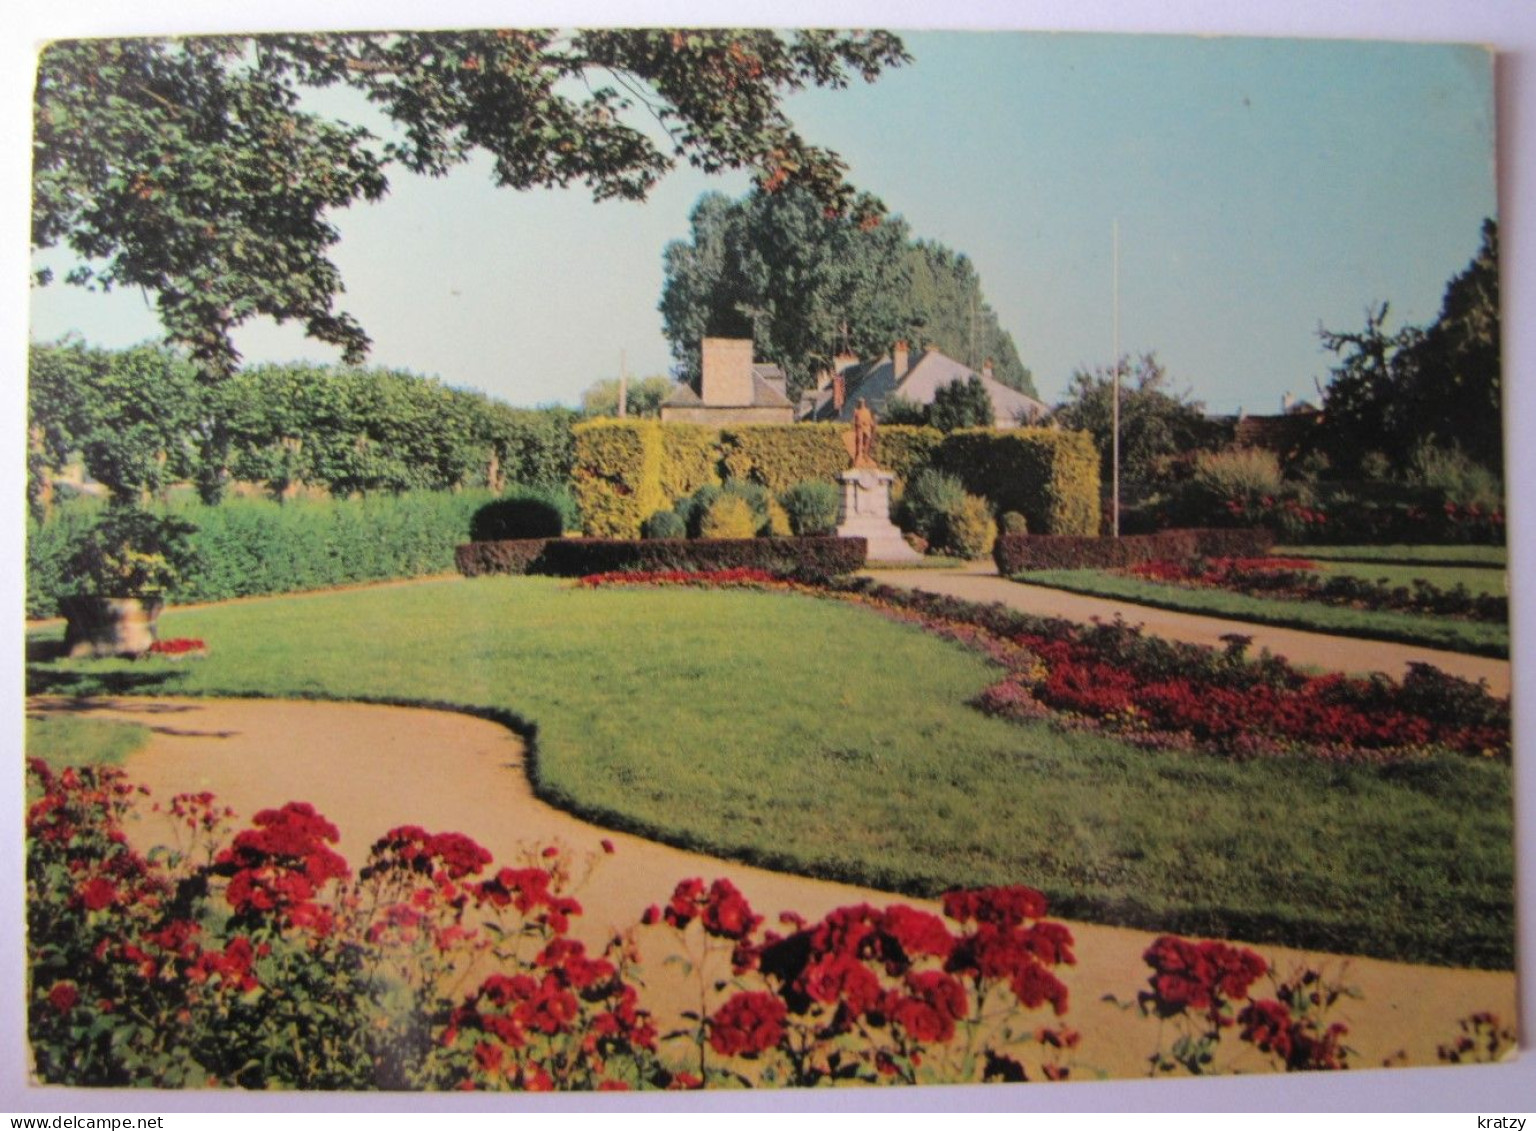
(1205, 989)
(1295, 578)
(873, 996)
(263, 961)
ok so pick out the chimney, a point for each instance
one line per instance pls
(986, 369)
(839, 392)
(727, 372)
(1288, 401)
(899, 360)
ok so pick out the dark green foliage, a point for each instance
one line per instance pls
(1012, 522)
(186, 167)
(1015, 553)
(805, 285)
(365, 430)
(132, 417)
(245, 547)
(694, 509)
(810, 558)
(961, 404)
(811, 507)
(1049, 476)
(926, 504)
(1442, 385)
(521, 515)
(128, 552)
(1158, 426)
(899, 410)
(665, 524)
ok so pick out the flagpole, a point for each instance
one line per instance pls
(1115, 442)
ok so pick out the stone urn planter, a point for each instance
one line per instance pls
(109, 626)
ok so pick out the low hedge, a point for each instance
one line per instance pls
(578, 557)
(1016, 553)
(252, 547)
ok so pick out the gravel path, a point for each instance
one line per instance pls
(980, 582)
(370, 768)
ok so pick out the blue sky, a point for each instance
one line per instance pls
(1263, 187)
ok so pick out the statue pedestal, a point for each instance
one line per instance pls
(865, 512)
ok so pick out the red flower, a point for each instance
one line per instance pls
(97, 893)
(937, 1001)
(64, 996)
(727, 915)
(747, 1025)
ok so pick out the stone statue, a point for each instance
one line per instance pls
(863, 435)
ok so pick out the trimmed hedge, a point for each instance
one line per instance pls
(250, 547)
(809, 558)
(1049, 476)
(777, 456)
(1017, 553)
(617, 475)
(626, 470)
(690, 459)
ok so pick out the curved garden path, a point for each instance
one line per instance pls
(370, 768)
(979, 582)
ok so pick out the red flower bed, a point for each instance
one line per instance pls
(271, 964)
(1298, 579)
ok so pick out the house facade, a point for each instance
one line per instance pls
(914, 379)
(732, 389)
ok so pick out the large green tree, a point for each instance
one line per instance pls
(1157, 421)
(1394, 392)
(191, 167)
(805, 285)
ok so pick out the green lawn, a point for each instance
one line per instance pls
(61, 740)
(818, 737)
(1476, 638)
(1483, 580)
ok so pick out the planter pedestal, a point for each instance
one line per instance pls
(864, 511)
(109, 626)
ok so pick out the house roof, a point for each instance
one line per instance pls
(768, 391)
(876, 383)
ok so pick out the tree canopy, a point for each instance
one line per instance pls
(1394, 392)
(192, 168)
(805, 285)
(1157, 422)
(133, 419)
(642, 396)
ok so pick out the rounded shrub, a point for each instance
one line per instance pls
(1012, 522)
(930, 497)
(527, 514)
(811, 507)
(778, 521)
(664, 524)
(729, 516)
(969, 529)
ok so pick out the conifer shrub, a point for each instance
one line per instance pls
(969, 529)
(811, 507)
(664, 524)
(930, 498)
(729, 516)
(1012, 522)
